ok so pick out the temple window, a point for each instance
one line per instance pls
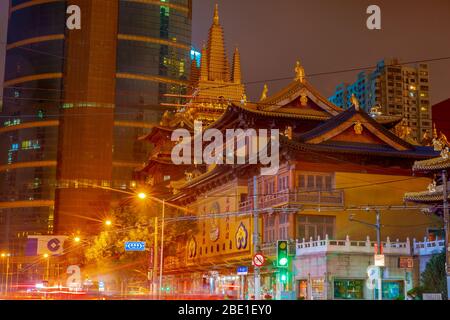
(312, 226)
(315, 181)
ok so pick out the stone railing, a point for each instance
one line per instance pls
(349, 246)
(335, 197)
(428, 247)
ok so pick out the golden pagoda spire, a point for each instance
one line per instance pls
(204, 65)
(236, 67)
(218, 69)
(216, 14)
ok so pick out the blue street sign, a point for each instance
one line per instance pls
(134, 246)
(242, 271)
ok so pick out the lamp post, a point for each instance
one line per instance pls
(161, 249)
(7, 256)
(144, 196)
(47, 273)
(446, 228)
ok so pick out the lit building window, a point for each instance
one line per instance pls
(30, 144)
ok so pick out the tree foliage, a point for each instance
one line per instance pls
(434, 276)
(135, 222)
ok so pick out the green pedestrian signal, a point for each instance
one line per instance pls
(283, 276)
(282, 254)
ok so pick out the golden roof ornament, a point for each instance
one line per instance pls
(288, 132)
(432, 186)
(375, 111)
(440, 143)
(426, 139)
(244, 99)
(299, 72)
(264, 92)
(444, 153)
(358, 127)
(355, 102)
(303, 97)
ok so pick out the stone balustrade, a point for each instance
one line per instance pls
(428, 247)
(349, 246)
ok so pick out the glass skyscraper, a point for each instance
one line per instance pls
(75, 103)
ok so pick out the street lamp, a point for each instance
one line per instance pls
(108, 223)
(47, 257)
(77, 239)
(142, 195)
(6, 255)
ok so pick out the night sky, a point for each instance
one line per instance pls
(3, 27)
(326, 35)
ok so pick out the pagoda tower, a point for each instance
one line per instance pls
(215, 86)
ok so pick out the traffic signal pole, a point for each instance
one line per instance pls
(256, 247)
(446, 228)
(378, 227)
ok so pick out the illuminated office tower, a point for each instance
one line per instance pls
(399, 89)
(75, 102)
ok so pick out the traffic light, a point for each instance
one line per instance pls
(283, 276)
(282, 254)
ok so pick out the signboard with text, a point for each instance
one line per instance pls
(406, 262)
(379, 260)
(242, 271)
(134, 246)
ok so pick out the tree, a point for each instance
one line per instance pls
(135, 222)
(434, 277)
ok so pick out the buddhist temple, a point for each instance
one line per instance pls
(332, 162)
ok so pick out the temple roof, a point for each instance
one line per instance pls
(425, 196)
(294, 90)
(335, 126)
(433, 164)
(360, 148)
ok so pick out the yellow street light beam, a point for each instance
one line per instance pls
(142, 195)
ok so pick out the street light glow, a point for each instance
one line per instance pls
(46, 255)
(77, 239)
(108, 222)
(142, 195)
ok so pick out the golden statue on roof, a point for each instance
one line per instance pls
(355, 102)
(299, 72)
(244, 99)
(264, 93)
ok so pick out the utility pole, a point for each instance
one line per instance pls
(257, 271)
(377, 226)
(161, 249)
(446, 228)
(155, 250)
(7, 273)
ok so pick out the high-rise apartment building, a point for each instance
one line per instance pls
(75, 102)
(398, 89)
